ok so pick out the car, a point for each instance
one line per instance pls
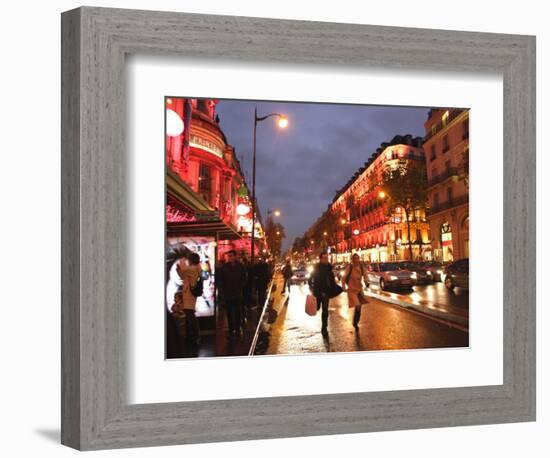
(389, 274)
(300, 275)
(423, 276)
(457, 274)
(435, 268)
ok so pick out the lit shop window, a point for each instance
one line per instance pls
(445, 118)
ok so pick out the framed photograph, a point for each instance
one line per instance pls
(386, 233)
(277, 228)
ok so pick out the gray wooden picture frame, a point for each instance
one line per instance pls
(95, 41)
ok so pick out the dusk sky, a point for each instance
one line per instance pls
(299, 169)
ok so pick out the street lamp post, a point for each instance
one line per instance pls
(283, 122)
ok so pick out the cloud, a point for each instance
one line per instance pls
(300, 168)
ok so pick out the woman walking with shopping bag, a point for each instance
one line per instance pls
(352, 282)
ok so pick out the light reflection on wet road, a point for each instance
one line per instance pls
(382, 327)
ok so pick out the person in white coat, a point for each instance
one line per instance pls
(189, 270)
(353, 284)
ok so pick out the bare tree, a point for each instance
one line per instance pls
(405, 187)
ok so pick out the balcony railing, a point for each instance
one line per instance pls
(455, 202)
(436, 179)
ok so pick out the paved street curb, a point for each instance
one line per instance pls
(265, 307)
(440, 314)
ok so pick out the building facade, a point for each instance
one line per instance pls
(208, 208)
(202, 167)
(358, 220)
(446, 146)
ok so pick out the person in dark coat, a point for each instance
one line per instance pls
(321, 283)
(262, 276)
(231, 281)
(250, 285)
(287, 275)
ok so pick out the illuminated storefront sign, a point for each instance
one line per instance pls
(446, 235)
(205, 145)
(177, 215)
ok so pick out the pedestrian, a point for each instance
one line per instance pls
(231, 279)
(250, 287)
(323, 286)
(354, 275)
(262, 277)
(189, 270)
(287, 275)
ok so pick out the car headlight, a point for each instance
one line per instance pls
(428, 272)
(413, 275)
(393, 277)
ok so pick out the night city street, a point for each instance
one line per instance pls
(383, 326)
(374, 208)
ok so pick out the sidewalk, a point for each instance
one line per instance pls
(448, 313)
(219, 342)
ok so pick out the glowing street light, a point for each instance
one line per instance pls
(282, 122)
(174, 124)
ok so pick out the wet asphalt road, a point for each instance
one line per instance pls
(433, 296)
(436, 292)
(382, 327)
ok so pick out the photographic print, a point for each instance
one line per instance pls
(298, 228)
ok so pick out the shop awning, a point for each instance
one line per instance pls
(210, 228)
(183, 193)
(206, 220)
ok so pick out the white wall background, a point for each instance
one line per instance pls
(30, 228)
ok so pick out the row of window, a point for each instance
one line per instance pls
(206, 188)
(436, 197)
(445, 141)
(398, 236)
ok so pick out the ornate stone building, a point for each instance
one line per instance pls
(358, 221)
(446, 146)
(206, 187)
